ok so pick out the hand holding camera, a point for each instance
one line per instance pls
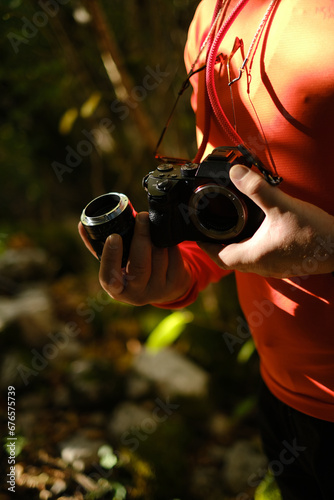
(295, 239)
(153, 275)
(187, 202)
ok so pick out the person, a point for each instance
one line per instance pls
(283, 104)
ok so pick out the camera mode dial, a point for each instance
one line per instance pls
(165, 167)
(189, 169)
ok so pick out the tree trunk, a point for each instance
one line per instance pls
(117, 73)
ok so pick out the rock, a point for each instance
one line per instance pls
(24, 264)
(83, 380)
(172, 373)
(32, 310)
(45, 495)
(80, 452)
(132, 424)
(58, 487)
(127, 416)
(244, 463)
(137, 387)
(8, 369)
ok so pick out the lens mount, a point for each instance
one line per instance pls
(217, 212)
(104, 208)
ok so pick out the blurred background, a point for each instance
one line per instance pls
(111, 401)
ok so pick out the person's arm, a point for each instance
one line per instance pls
(296, 238)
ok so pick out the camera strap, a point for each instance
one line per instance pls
(212, 103)
(209, 37)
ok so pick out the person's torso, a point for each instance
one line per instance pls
(289, 111)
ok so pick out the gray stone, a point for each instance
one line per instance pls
(172, 373)
(32, 310)
(8, 369)
(80, 452)
(25, 264)
(137, 387)
(127, 416)
(244, 461)
(83, 381)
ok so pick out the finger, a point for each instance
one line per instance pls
(140, 258)
(85, 239)
(111, 275)
(235, 255)
(175, 258)
(160, 260)
(256, 187)
(213, 250)
(228, 257)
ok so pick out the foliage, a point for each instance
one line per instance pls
(67, 134)
(268, 489)
(107, 457)
(55, 89)
(168, 330)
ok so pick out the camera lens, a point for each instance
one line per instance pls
(217, 212)
(109, 213)
(220, 213)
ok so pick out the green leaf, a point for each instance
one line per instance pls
(246, 351)
(244, 408)
(20, 442)
(107, 457)
(168, 330)
(268, 489)
(120, 491)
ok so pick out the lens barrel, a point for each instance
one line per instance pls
(108, 214)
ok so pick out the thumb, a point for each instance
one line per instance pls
(256, 187)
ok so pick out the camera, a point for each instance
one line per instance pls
(187, 202)
(107, 214)
(198, 202)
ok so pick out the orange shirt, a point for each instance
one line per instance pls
(292, 90)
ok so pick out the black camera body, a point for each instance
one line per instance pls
(187, 202)
(198, 202)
